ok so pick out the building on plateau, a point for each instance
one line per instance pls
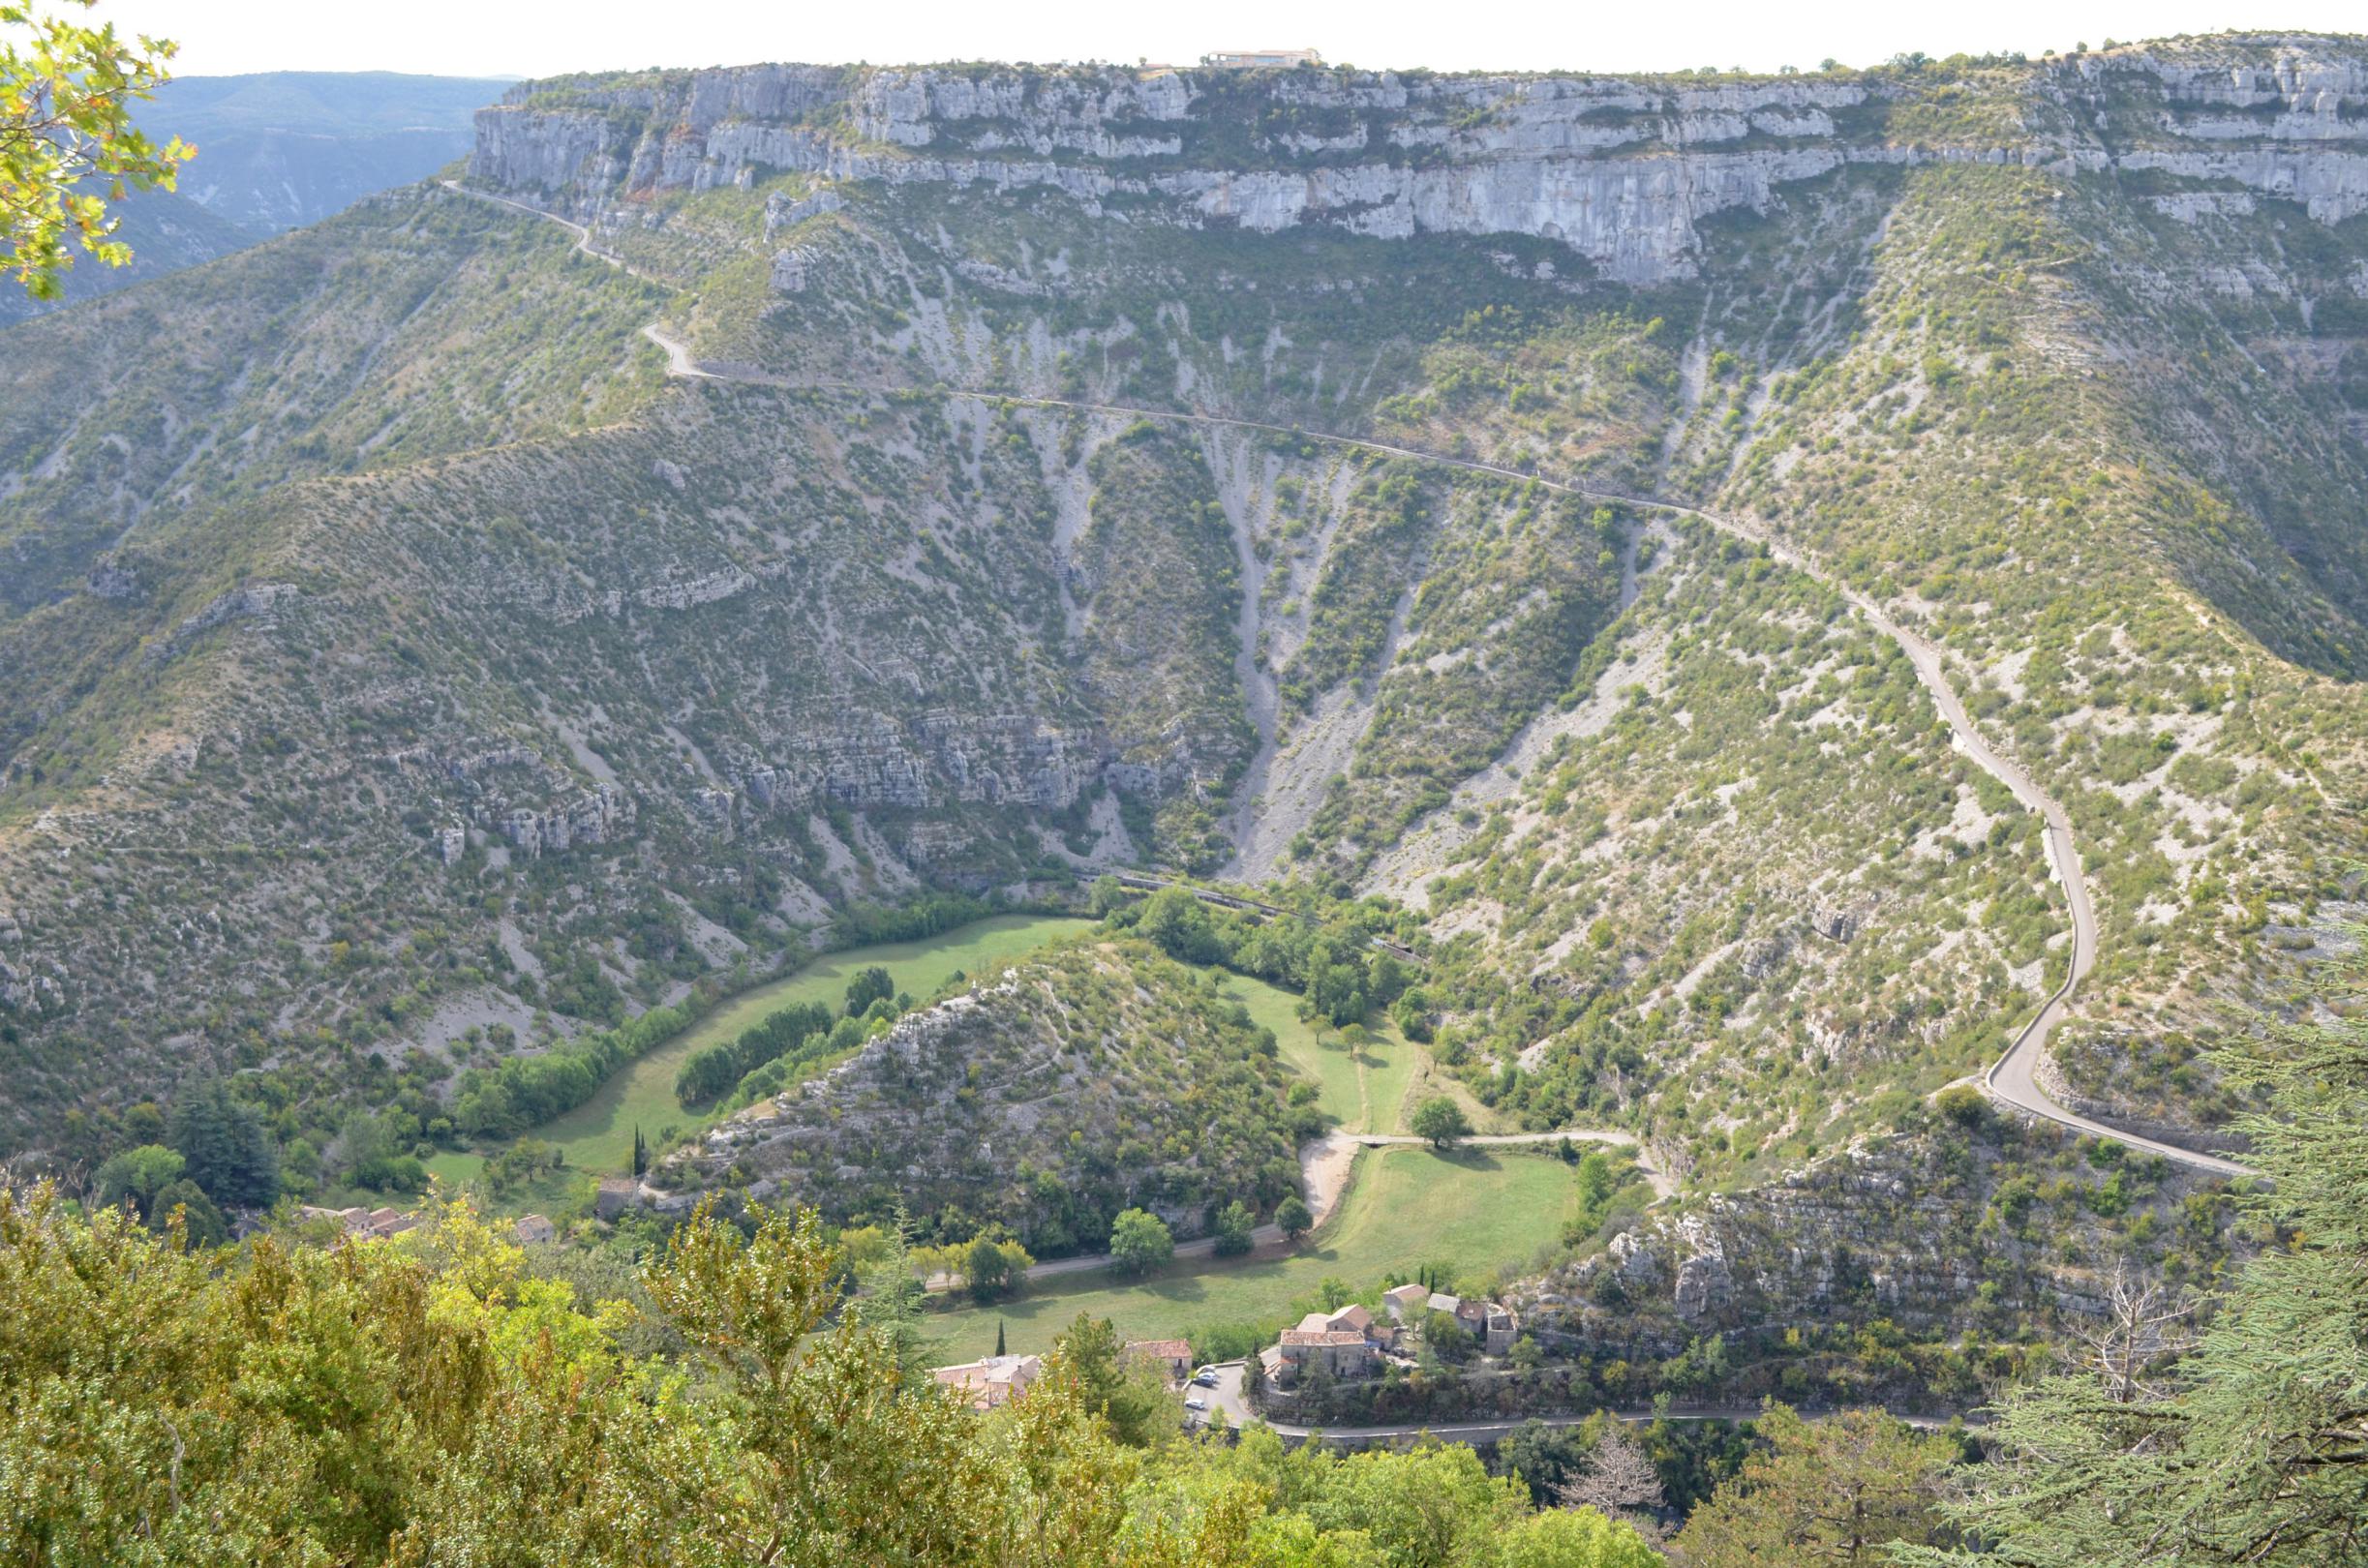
(1260, 59)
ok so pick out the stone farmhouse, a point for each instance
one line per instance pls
(1173, 1357)
(992, 1382)
(1345, 1344)
(1494, 1327)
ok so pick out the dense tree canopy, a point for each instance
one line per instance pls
(431, 1401)
(135, 1176)
(1235, 1224)
(1294, 1216)
(1132, 1396)
(1331, 962)
(871, 983)
(520, 1090)
(1139, 1242)
(989, 1269)
(228, 1150)
(1837, 1491)
(713, 1071)
(1441, 1120)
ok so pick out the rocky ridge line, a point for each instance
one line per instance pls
(1620, 171)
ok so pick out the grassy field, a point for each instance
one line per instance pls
(1365, 1090)
(455, 1167)
(1427, 1079)
(551, 1192)
(1472, 1211)
(597, 1135)
(1387, 1060)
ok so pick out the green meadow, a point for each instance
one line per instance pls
(1363, 1085)
(1473, 1210)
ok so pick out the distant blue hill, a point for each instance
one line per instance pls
(277, 150)
(285, 148)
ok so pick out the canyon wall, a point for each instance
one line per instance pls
(1620, 171)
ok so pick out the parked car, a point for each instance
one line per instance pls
(1205, 1378)
(1196, 1404)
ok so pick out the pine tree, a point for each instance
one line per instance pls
(1849, 1488)
(893, 1300)
(1129, 1395)
(227, 1147)
(2254, 1448)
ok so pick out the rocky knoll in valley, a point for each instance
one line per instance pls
(1045, 1099)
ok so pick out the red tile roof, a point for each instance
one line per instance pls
(1167, 1349)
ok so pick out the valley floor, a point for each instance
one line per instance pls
(597, 1135)
(1470, 1211)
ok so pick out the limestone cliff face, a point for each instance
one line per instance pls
(939, 757)
(2289, 122)
(2302, 85)
(1620, 171)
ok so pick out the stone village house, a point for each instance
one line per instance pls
(992, 1382)
(1173, 1357)
(1347, 1343)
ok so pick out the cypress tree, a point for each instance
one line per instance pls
(999, 1337)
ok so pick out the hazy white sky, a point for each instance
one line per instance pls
(543, 37)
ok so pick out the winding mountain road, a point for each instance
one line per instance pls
(2013, 1078)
